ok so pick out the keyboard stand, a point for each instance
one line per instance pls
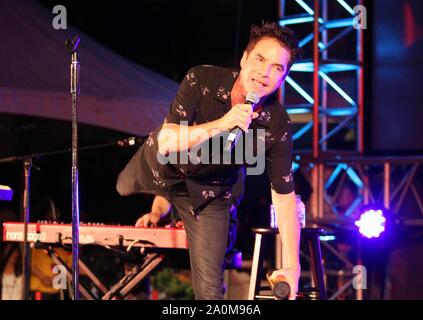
(137, 274)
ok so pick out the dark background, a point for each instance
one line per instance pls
(395, 95)
(171, 36)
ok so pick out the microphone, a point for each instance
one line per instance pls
(72, 43)
(251, 98)
(279, 285)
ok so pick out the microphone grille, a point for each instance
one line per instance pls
(281, 290)
(253, 97)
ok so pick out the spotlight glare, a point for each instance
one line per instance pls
(371, 223)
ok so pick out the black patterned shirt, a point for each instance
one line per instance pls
(205, 95)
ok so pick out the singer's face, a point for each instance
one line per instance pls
(264, 68)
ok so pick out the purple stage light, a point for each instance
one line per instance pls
(371, 223)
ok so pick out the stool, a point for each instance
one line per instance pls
(311, 237)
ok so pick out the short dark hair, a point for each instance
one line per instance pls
(285, 36)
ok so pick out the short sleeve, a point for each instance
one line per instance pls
(279, 161)
(183, 107)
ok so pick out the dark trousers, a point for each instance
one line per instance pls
(207, 235)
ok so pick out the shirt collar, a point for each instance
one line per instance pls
(223, 94)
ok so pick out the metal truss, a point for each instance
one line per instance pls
(329, 108)
(324, 94)
(343, 275)
(389, 182)
(385, 181)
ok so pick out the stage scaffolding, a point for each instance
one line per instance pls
(324, 94)
(388, 182)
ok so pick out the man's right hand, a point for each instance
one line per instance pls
(240, 115)
(148, 220)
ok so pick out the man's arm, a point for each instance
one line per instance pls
(160, 208)
(175, 137)
(289, 230)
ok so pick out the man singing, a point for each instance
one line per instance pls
(210, 102)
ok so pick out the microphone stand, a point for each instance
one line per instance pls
(123, 143)
(26, 256)
(71, 46)
(26, 265)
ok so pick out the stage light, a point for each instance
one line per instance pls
(327, 238)
(339, 23)
(296, 20)
(371, 223)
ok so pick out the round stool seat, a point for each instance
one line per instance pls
(306, 231)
